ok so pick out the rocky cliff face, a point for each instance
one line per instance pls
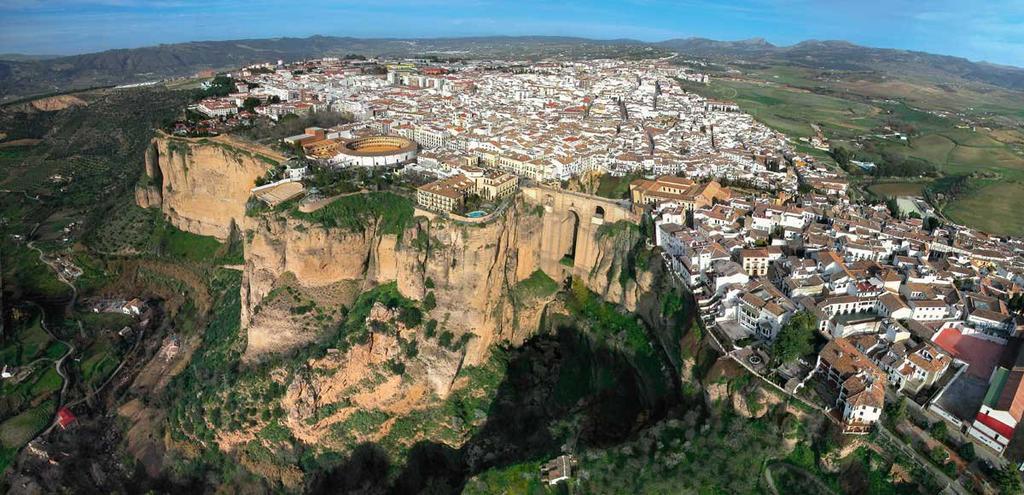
(202, 184)
(472, 268)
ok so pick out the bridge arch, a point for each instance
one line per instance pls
(569, 228)
(569, 237)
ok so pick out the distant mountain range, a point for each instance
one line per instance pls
(22, 76)
(843, 55)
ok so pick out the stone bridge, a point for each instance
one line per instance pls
(571, 220)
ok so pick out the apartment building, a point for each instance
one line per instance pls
(449, 194)
(755, 261)
(857, 383)
(445, 195)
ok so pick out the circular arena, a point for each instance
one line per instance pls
(377, 151)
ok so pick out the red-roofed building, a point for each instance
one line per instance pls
(859, 384)
(1001, 410)
(65, 417)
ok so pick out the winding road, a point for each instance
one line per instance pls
(59, 364)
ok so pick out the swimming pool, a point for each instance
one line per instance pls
(476, 214)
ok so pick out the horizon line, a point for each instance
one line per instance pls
(29, 57)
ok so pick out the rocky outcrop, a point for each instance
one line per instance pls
(202, 185)
(471, 267)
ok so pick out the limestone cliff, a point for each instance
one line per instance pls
(202, 184)
(473, 267)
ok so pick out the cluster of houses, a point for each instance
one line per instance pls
(759, 233)
(933, 315)
(551, 121)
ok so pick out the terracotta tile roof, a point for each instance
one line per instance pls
(862, 380)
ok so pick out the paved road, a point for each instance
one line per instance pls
(59, 364)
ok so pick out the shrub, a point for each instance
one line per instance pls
(410, 317)
(938, 455)
(412, 350)
(966, 451)
(392, 213)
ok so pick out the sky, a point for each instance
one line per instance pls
(989, 30)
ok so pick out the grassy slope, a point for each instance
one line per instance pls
(993, 207)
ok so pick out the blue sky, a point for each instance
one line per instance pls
(991, 30)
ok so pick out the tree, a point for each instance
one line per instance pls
(1016, 303)
(647, 226)
(939, 431)
(410, 317)
(429, 302)
(1007, 480)
(796, 338)
(893, 206)
(938, 455)
(250, 103)
(966, 451)
(220, 85)
(446, 339)
(896, 411)
(842, 156)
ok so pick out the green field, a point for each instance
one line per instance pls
(537, 286)
(29, 342)
(48, 383)
(97, 367)
(29, 346)
(22, 269)
(958, 131)
(614, 187)
(994, 208)
(792, 111)
(17, 431)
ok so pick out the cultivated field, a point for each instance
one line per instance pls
(897, 189)
(994, 208)
(960, 130)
